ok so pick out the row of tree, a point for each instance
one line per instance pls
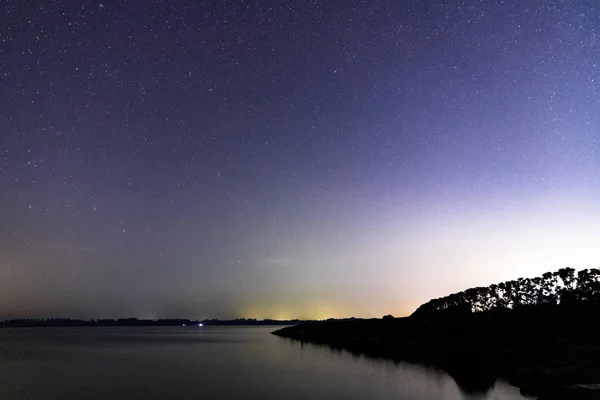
(552, 288)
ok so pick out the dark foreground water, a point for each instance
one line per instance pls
(205, 363)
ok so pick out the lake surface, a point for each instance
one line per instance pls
(206, 363)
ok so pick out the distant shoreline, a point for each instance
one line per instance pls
(68, 322)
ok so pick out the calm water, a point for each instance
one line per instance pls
(204, 363)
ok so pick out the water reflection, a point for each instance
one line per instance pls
(211, 363)
(483, 385)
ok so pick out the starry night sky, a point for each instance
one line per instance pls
(286, 159)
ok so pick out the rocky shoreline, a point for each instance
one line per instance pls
(552, 353)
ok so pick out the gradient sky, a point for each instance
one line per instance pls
(287, 159)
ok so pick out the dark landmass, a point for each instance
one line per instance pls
(67, 322)
(543, 337)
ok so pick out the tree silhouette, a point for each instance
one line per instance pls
(552, 288)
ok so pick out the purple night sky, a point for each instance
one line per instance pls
(287, 159)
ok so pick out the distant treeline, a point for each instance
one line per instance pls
(552, 288)
(56, 322)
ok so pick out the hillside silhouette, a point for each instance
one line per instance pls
(540, 333)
